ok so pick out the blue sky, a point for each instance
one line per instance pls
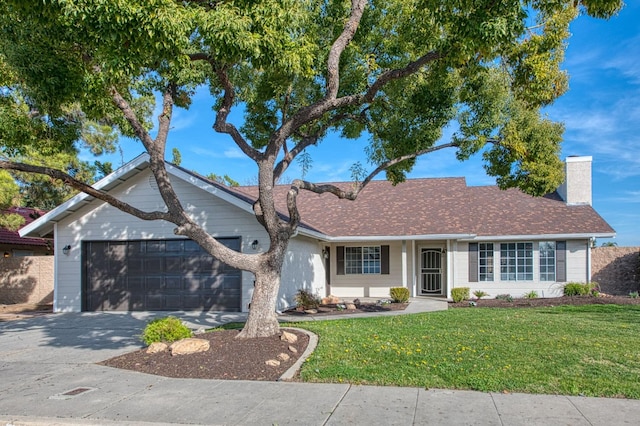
(601, 113)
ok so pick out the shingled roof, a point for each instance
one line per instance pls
(437, 206)
(13, 238)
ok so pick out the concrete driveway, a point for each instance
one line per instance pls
(48, 375)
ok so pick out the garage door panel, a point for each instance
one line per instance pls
(158, 275)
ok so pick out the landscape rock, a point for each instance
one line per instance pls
(156, 347)
(330, 300)
(350, 306)
(288, 337)
(189, 346)
(283, 357)
(311, 311)
(293, 350)
(272, 363)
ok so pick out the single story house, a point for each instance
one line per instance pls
(12, 245)
(429, 235)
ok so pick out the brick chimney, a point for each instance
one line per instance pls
(576, 188)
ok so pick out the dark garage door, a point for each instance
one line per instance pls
(158, 275)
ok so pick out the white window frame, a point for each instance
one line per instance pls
(515, 265)
(486, 271)
(362, 260)
(547, 264)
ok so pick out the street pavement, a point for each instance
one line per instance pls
(49, 376)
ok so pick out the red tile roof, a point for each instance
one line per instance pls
(439, 206)
(13, 238)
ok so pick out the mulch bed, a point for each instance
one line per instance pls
(228, 358)
(361, 308)
(548, 302)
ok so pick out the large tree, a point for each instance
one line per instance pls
(394, 71)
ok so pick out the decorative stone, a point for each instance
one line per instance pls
(189, 346)
(330, 300)
(156, 347)
(272, 362)
(293, 350)
(288, 337)
(311, 311)
(356, 302)
(283, 357)
(350, 306)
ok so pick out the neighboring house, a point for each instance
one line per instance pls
(12, 245)
(429, 235)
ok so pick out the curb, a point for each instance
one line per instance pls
(313, 342)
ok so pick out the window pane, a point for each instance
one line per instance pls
(362, 260)
(547, 254)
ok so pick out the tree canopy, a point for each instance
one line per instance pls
(394, 71)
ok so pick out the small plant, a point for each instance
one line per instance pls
(340, 307)
(506, 297)
(531, 295)
(306, 299)
(384, 302)
(168, 329)
(459, 294)
(480, 294)
(582, 289)
(634, 295)
(399, 294)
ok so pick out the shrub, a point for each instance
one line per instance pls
(480, 294)
(167, 329)
(459, 294)
(399, 294)
(531, 295)
(581, 289)
(633, 295)
(506, 297)
(306, 299)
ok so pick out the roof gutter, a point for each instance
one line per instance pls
(540, 237)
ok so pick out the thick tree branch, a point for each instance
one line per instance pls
(339, 45)
(308, 140)
(221, 125)
(359, 186)
(132, 119)
(83, 187)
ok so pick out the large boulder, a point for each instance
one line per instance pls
(189, 346)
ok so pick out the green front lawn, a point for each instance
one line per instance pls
(589, 350)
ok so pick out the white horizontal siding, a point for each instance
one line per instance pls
(368, 285)
(99, 221)
(576, 261)
(303, 269)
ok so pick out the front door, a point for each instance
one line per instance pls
(430, 271)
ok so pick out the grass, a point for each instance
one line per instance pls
(572, 350)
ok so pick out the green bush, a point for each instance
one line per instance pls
(399, 294)
(459, 294)
(531, 295)
(581, 289)
(480, 294)
(167, 329)
(506, 297)
(306, 299)
(633, 295)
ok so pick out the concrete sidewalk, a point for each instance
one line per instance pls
(48, 376)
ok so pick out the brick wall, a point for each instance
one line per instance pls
(26, 280)
(616, 269)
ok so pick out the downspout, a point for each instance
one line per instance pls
(589, 244)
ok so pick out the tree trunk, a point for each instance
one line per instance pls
(262, 320)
